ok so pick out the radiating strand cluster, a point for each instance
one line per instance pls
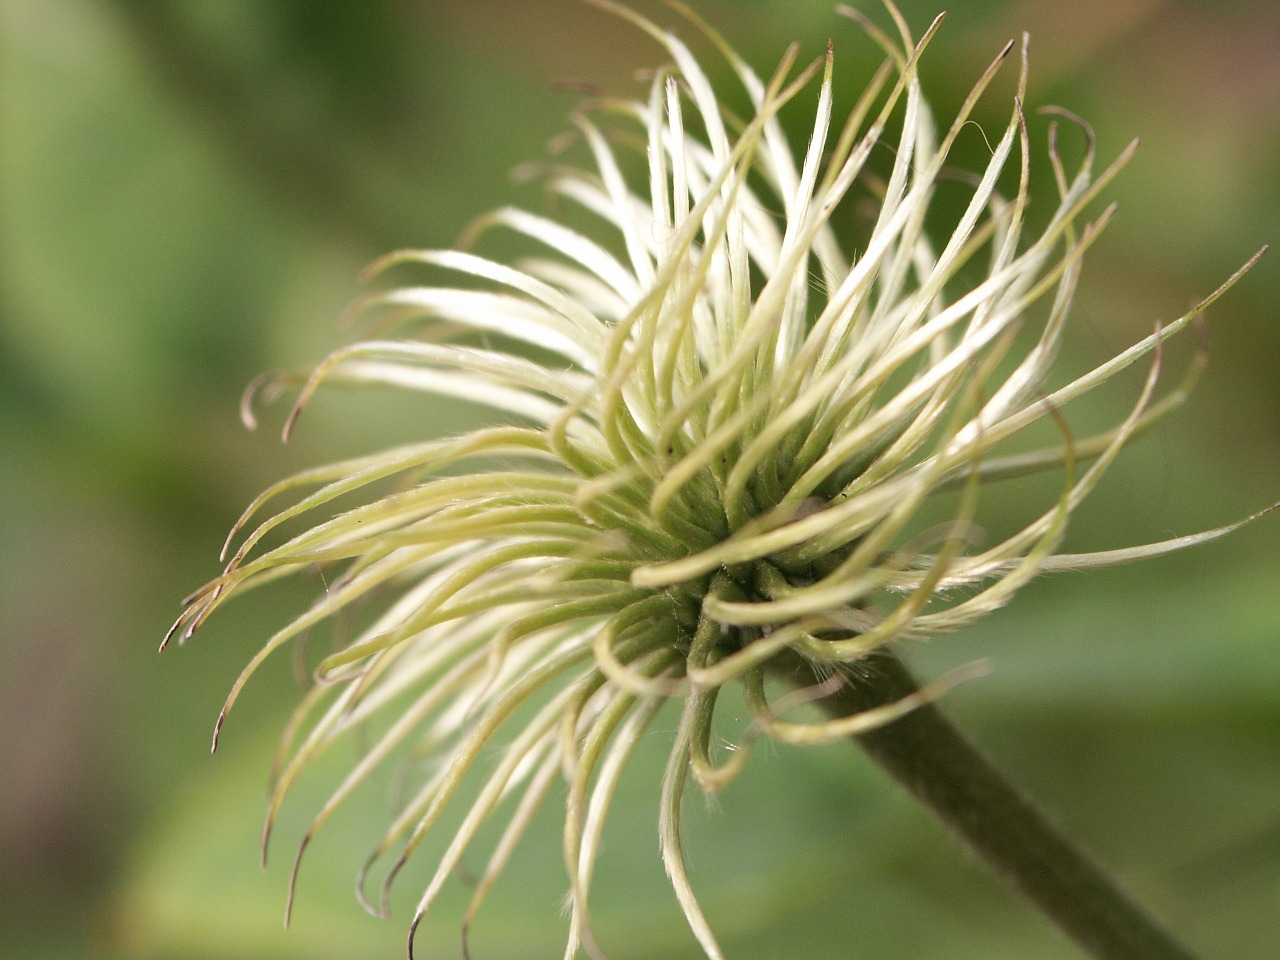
(724, 459)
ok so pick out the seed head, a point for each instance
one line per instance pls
(718, 429)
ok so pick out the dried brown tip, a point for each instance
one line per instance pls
(293, 876)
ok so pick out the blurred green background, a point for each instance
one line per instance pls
(187, 193)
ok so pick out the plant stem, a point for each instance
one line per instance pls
(948, 775)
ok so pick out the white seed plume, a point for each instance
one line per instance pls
(721, 452)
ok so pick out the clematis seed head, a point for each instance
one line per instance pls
(717, 427)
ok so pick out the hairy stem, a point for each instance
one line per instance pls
(935, 764)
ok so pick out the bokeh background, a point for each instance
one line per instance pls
(187, 193)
